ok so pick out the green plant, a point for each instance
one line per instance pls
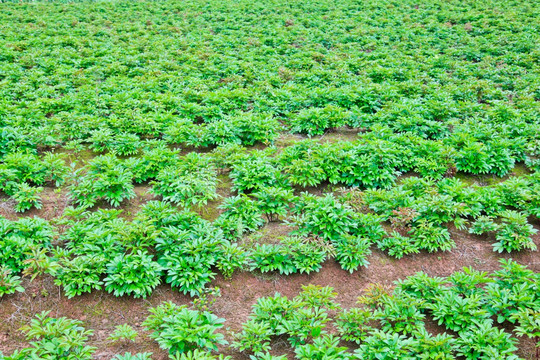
(59, 338)
(432, 237)
(514, 233)
(291, 256)
(458, 313)
(240, 215)
(192, 182)
(231, 258)
(528, 321)
(27, 197)
(255, 337)
(352, 252)
(106, 178)
(318, 297)
(315, 121)
(129, 356)
(483, 341)
(304, 324)
(274, 202)
(398, 245)
(123, 333)
(178, 329)
(188, 265)
(324, 347)
(39, 263)
(198, 355)
(434, 347)
(325, 217)
(132, 274)
(382, 345)
(401, 313)
(274, 257)
(18, 239)
(267, 356)
(81, 274)
(482, 225)
(255, 172)
(355, 324)
(9, 283)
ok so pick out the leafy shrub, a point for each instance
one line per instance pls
(514, 233)
(19, 238)
(274, 202)
(132, 274)
(386, 345)
(324, 347)
(187, 257)
(291, 256)
(438, 347)
(482, 225)
(60, 338)
(198, 355)
(352, 252)
(271, 258)
(457, 313)
(189, 274)
(9, 283)
(432, 237)
(178, 329)
(483, 341)
(102, 140)
(256, 128)
(473, 158)
(318, 296)
(325, 217)
(81, 274)
(398, 245)
(231, 258)
(129, 356)
(528, 324)
(304, 324)
(152, 162)
(185, 131)
(255, 337)
(240, 215)
(401, 313)
(123, 333)
(106, 179)
(191, 182)
(255, 172)
(27, 197)
(354, 324)
(315, 121)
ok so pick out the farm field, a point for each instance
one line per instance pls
(270, 180)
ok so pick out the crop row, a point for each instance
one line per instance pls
(469, 305)
(89, 250)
